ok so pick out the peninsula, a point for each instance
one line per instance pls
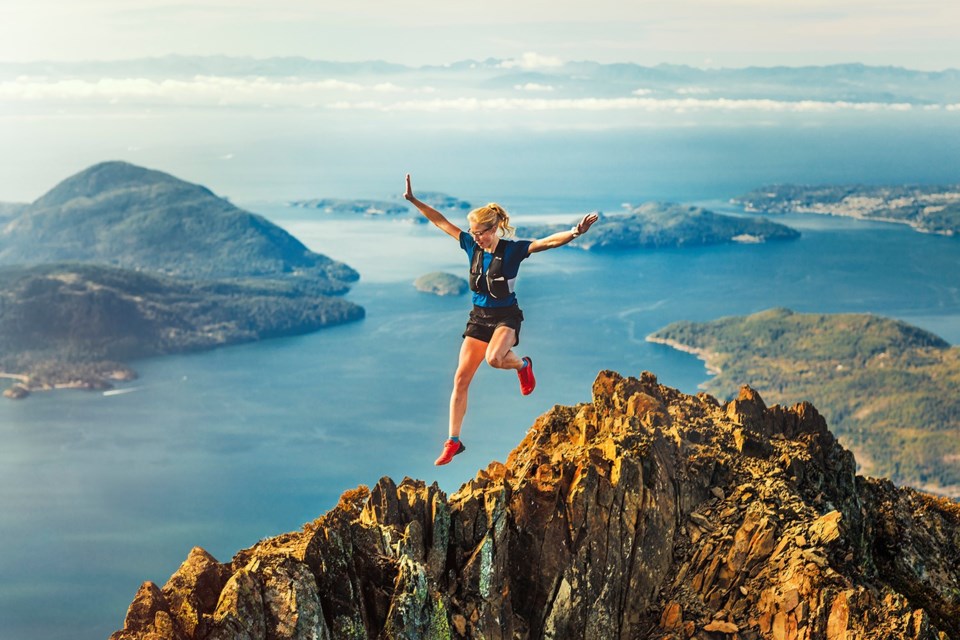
(931, 209)
(120, 262)
(659, 225)
(888, 389)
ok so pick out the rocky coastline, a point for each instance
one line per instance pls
(86, 377)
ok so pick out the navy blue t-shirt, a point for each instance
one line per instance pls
(515, 252)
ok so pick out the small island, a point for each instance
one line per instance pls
(930, 209)
(442, 284)
(888, 389)
(659, 225)
(120, 262)
(384, 208)
(354, 207)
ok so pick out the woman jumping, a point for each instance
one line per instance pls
(493, 328)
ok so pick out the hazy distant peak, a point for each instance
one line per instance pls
(104, 177)
(124, 215)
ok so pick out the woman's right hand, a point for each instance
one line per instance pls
(408, 194)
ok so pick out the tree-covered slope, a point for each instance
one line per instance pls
(120, 262)
(128, 216)
(890, 391)
(58, 322)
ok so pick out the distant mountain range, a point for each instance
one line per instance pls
(832, 83)
(120, 262)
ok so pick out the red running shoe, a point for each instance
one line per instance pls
(527, 381)
(450, 449)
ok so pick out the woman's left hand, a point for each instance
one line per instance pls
(586, 222)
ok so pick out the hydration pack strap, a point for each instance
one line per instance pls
(497, 286)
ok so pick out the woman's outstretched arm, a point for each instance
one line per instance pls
(431, 214)
(564, 237)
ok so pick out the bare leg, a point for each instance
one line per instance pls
(471, 355)
(499, 352)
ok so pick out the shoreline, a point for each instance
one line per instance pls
(24, 386)
(707, 357)
(913, 224)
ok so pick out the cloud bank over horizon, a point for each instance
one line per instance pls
(224, 92)
(529, 84)
(200, 114)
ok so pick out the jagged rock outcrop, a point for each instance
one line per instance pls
(647, 513)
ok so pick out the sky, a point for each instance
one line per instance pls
(706, 33)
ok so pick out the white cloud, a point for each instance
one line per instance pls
(677, 105)
(533, 86)
(216, 91)
(198, 90)
(692, 91)
(387, 87)
(531, 60)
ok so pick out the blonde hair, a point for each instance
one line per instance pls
(492, 214)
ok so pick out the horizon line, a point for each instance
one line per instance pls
(505, 63)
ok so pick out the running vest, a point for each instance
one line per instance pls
(497, 285)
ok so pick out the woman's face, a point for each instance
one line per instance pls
(486, 236)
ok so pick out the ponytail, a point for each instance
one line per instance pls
(493, 214)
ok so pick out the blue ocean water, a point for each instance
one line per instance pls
(220, 449)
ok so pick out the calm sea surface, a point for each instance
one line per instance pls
(220, 449)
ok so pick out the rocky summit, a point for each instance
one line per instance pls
(647, 513)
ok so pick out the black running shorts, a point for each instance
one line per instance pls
(485, 320)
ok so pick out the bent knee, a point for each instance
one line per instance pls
(496, 360)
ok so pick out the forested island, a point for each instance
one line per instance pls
(887, 389)
(931, 209)
(441, 283)
(119, 262)
(354, 207)
(658, 225)
(388, 208)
